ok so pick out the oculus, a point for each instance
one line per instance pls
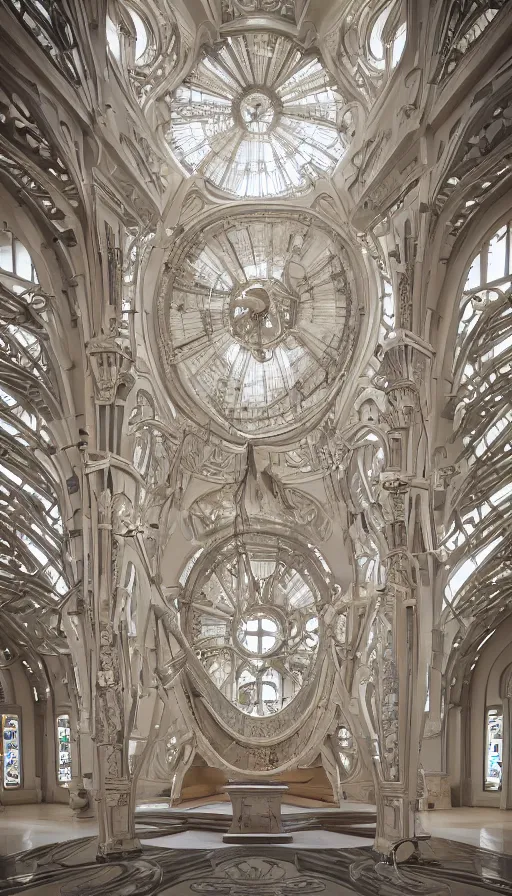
(257, 117)
(258, 318)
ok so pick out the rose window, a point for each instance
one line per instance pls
(258, 117)
(252, 616)
(258, 634)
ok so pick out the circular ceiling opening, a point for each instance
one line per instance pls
(258, 116)
(258, 320)
(257, 112)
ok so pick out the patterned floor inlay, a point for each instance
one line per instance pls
(446, 868)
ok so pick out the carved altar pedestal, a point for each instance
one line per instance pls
(256, 812)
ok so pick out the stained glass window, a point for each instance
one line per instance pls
(494, 749)
(11, 746)
(64, 749)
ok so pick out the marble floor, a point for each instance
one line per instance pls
(485, 828)
(440, 868)
(301, 840)
(45, 852)
(224, 808)
(28, 827)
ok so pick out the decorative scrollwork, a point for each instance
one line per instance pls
(463, 24)
(50, 25)
(233, 9)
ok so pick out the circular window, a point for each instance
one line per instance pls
(258, 319)
(259, 634)
(258, 116)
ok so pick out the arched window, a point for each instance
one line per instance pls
(371, 43)
(253, 620)
(145, 47)
(11, 750)
(493, 748)
(31, 527)
(386, 38)
(478, 534)
(347, 749)
(15, 259)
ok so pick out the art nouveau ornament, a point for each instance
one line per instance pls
(281, 9)
(252, 614)
(249, 519)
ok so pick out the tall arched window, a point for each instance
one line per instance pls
(481, 507)
(33, 573)
(493, 758)
(11, 750)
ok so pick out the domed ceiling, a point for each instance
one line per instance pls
(257, 117)
(258, 318)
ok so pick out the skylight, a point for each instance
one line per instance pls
(260, 319)
(257, 117)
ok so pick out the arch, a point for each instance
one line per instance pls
(490, 690)
(447, 301)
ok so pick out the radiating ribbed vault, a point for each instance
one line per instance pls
(258, 117)
(258, 318)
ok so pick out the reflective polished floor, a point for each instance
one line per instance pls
(485, 828)
(444, 868)
(54, 855)
(28, 827)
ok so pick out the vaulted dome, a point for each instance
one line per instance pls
(258, 318)
(257, 117)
